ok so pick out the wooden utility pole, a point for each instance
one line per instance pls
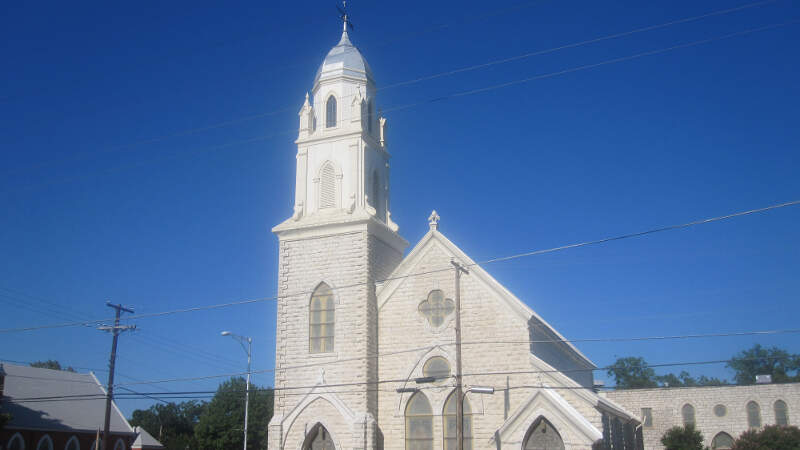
(459, 386)
(115, 331)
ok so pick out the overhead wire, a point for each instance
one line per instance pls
(427, 272)
(526, 55)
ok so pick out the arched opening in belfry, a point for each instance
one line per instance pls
(318, 439)
(542, 435)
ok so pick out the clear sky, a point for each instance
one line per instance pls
(146, 151)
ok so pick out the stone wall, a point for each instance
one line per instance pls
(667, 403)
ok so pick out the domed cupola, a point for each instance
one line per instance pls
(344, 61)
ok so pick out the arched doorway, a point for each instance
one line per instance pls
(542, 435)
(318, 439)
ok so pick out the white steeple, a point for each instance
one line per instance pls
(342, 158)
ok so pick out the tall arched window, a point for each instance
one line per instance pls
(327, 186)
(781, 413)
(722, 441)
(688, 414)
(96, 444)
(330, 112)
(16, 442)
(419, 423)
(450, 422)
(45, 443)
(120, 445)
(73, 444)
(321, 320)
(542, 435)
(753, 415)
(318, 439)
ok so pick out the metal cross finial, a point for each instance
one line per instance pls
(433, 220)
(343, 15)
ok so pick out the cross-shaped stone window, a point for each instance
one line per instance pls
(436, 308)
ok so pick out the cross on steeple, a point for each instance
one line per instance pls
(343, 15)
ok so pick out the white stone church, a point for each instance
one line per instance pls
(365, 356)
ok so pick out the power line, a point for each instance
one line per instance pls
(488, 261)
(407, 380)
(190, 131)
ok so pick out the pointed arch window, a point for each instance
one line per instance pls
(781, 413)
(45, 443)
(543, 435)
(419, 423)
(96, 444)
(321, 320)
(319, 439)
(327, 186)
(120, 445)
(73, 444)
(722, 441)
(753, 415)
(16, 442)
(450, 422)
(688, 414)
(330, 112)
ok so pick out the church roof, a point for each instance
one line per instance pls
(145, 440)
(57, 400)
(408, 266)
(344, 60)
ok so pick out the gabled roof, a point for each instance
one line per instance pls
(57, 400)
(145, 440)
(409, 266)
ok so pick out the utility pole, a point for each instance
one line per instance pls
(459, 386)
(115, 331)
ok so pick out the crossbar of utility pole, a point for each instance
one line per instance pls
(115, 330)
(459, 269)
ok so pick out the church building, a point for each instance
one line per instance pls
(365, 354)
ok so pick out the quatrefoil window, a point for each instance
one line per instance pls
(436, 308)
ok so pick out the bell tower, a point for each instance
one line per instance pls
(339, 240)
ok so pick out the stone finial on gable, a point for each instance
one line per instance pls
(433, 220)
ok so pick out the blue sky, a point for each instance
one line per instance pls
(118, 183)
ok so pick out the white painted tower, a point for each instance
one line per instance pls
(339, 240)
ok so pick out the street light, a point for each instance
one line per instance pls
(249, 350)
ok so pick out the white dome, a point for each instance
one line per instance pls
(344, 60)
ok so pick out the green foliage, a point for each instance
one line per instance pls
(171, 423)
(771, 437)
(685, 380)
(4, 419)
(682, 438)
(632, 372)
(221, 426)
(51, 364)
(759, 360)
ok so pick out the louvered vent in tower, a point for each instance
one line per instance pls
(327, 187)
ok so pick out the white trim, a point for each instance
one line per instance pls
(311, 397)
(546, 403)
(413, 259)
(114, 404)
(16, 435)
(42, 440)
(77, 442)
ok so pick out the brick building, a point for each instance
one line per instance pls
(56, 410)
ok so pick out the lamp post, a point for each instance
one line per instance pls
(249, 350)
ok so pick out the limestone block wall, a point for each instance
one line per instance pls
(340, 260)
(485, 317)
(667, 403)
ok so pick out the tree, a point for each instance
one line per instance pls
(759, 360)
(632, 372)
(685, 380)
(171, 423)
(51, 364)
(4, 419)
(222, 423)
(772, 437)
(682, 438)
